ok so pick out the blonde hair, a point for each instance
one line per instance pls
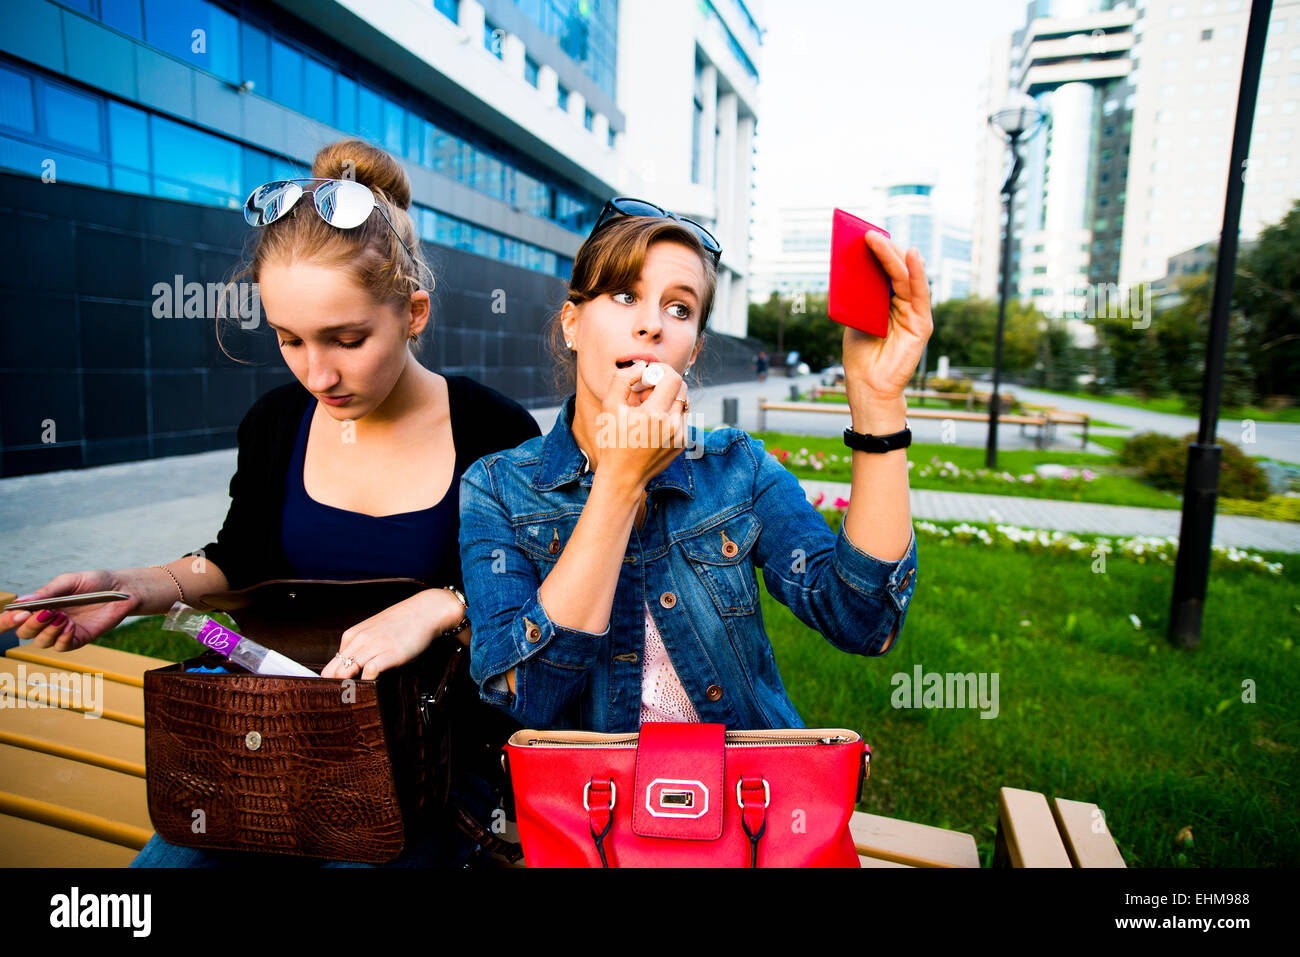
(372, 252)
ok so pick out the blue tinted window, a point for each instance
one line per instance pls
(393, 119)
(123, 15)
(129, 181)
(286, 75)
(562, 96)
(530, 70)
(128, 135)
(256, 171)
(73, 119)
(449, 9)
(16, 108)
(347, 104)
(257, 59)
(370, 114)
(319, 85)
(588, 118)
(414, 139)
(192, 158)
(195, 31)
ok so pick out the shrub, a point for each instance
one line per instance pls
(1162, 460)
(1143, 447)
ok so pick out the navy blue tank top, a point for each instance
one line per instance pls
(321, 541)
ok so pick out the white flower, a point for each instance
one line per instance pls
(1137, 622)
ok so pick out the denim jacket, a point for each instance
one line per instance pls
(721, 509)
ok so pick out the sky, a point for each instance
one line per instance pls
(853, 92)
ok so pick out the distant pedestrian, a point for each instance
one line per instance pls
(760, 361)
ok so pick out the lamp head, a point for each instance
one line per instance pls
(1018, 115)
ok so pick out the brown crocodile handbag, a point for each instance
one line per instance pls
(339, 769)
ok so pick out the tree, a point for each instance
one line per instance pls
(1267, 291)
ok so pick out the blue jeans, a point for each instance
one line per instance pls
(446, 846)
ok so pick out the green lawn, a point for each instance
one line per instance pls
(1179, 406)
(1112, 487)
(1089, 707)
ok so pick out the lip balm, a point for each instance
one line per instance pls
(651, 376)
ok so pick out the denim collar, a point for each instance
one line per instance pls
(562, 461)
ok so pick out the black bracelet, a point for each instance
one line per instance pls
(861, 442)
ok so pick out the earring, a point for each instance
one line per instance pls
(568, 344)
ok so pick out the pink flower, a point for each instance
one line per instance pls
(842, 504)
(1089, 475)
(821, 497)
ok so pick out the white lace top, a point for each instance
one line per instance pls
(662, 696)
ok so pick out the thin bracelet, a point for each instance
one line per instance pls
(465, 608)
(175, 581)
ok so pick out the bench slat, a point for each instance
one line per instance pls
(74, 785)
(1027, 834)
(80, 822)
(1086, 846)
(119, 701)
(25, 843)
(70, 734)
(115, 665)
(917, 845)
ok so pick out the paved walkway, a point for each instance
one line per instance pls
(1274, 440)
(141, 513)
(1083, 517)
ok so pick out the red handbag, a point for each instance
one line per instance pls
(687, 795)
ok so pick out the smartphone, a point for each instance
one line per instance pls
(66, 601)
(860, 289)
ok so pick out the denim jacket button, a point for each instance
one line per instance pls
(532, 632)
(906, 579)
(713, 693)
(668, 599)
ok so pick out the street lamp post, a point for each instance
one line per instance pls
(1020, 117)
(1201, 481)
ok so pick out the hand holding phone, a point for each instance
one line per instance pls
(71, 610)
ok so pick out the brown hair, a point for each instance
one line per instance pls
(611, 261)
(371, 252)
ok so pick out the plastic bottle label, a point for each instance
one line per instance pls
(217, 638)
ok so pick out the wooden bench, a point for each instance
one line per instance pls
(968, 397)
(1032, 833)
(956, 415)
(72, 786)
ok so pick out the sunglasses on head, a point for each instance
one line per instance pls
(627, 206)
(343, 203)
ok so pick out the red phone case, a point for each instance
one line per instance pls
(860, 289)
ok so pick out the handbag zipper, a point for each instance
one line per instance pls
(731, 742)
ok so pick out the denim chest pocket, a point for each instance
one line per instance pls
(721, 556)
(543, 539)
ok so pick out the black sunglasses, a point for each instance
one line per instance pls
(627, 206)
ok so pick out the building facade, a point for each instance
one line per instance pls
(132, 130)
(1130, 166)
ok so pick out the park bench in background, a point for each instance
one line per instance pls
(1040, 421)
(72, 789)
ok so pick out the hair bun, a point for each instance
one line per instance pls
(368, 165)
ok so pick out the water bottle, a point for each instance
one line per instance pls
(242, 651)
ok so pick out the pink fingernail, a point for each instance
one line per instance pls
(44, 615)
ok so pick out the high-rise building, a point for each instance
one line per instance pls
(1131, 165)
(132, 130)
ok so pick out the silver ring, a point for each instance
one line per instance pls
(348, 662)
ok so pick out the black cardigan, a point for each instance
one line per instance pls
(248, 548)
